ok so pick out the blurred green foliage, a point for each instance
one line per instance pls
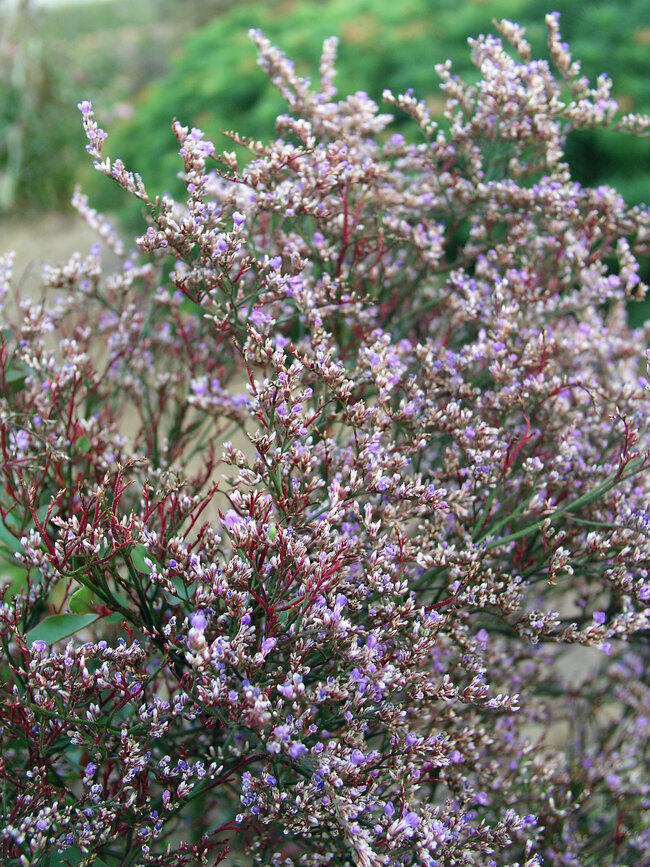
(144, 63)
(39, 138)
(52, 58)
(215, 84)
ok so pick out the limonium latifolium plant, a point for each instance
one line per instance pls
(324, 529)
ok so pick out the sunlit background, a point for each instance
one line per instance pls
(143, 63)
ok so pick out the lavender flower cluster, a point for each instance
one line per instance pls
(324, 521)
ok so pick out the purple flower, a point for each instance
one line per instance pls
(198, 621)
(599, 617)
(259, 318)
(357, 757)
(232, 520)
(412, 819)
(22, 440)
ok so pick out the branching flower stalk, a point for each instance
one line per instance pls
(307, 507)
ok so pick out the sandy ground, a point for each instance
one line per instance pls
(49, 239)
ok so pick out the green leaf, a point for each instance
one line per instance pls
(15, 376)
(16, 574)
(9, 540)
(92, 403)
(191, 308)
(13, 522)
(72, 855)
(41, 513)
(82, 601)
(59, 626)
(83, 445)
(179, 586)
(138, 553)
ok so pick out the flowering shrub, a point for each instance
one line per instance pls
(352, 638)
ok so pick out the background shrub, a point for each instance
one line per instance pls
(115, 53)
